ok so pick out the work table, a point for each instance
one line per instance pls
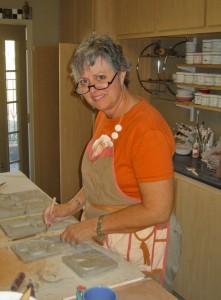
(183, 161)
(54, 280)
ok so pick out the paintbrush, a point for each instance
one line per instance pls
(51, 210)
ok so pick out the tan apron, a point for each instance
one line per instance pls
(146, 248)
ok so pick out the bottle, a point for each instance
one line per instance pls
(196, 149)
(26, 11)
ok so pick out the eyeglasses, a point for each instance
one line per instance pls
(81, 90)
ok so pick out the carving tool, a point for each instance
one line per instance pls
(50, 212)
(26, 295)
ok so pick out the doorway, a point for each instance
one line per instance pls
(14, 152)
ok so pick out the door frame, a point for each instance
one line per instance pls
(28, 24)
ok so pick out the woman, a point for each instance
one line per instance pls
(127, 169)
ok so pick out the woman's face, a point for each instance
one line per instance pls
(106, 100)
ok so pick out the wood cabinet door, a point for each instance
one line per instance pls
(75, 127)
(67, 21)
(213, 9)
(104, 16)
(84, 19)
(175, 15)
(134, 18)
(198, 208)
(46, 119)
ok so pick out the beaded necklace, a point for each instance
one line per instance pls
(107, 141)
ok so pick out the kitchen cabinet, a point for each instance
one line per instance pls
(198, 208)
(75, 127)
(213, 9)
(173, 16)
(149, 18)
(134, 18)
(46, 124)
(80, 18)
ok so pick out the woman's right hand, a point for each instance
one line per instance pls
(59, 213)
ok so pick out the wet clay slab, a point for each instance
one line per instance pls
(24, 226)
(23, 203)
(34, 249)
(89, 263)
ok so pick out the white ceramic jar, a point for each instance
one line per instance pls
(191, 47)
(216, 45)
(217, 80)
(215, 58)
(213, 100)
(219, 101)
(206, 58)
(209, 79)
(197, 58)
(188, 78)
(206, 45)
(180, 77)
(205, 99)
(199, 78)
(197, 98)
(189, 58)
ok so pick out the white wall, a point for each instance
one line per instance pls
(45, 20)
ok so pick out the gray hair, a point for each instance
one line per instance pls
(99, 46)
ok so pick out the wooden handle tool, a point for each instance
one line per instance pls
(26, 295)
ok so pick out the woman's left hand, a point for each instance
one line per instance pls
(80, 232)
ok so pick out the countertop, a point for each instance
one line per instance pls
(183, 161)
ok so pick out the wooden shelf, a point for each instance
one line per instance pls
(199, 66)
(209, 87)
(191, 104)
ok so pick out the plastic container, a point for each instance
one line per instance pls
(196, 150)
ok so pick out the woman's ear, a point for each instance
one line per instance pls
(122, 77)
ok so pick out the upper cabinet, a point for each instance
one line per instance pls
(173, 15)
(153, 18)
(138, 18)
(213, 14)
(80, 18)
(134, 18)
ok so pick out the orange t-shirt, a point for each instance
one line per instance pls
(144, 149)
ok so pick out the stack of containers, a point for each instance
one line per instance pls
(211, 54)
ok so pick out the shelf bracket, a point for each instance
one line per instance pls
(191, 109)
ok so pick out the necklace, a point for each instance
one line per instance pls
(104, 140)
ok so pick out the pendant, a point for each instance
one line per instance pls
(114, 135)
(118, 128)
(100, 144)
